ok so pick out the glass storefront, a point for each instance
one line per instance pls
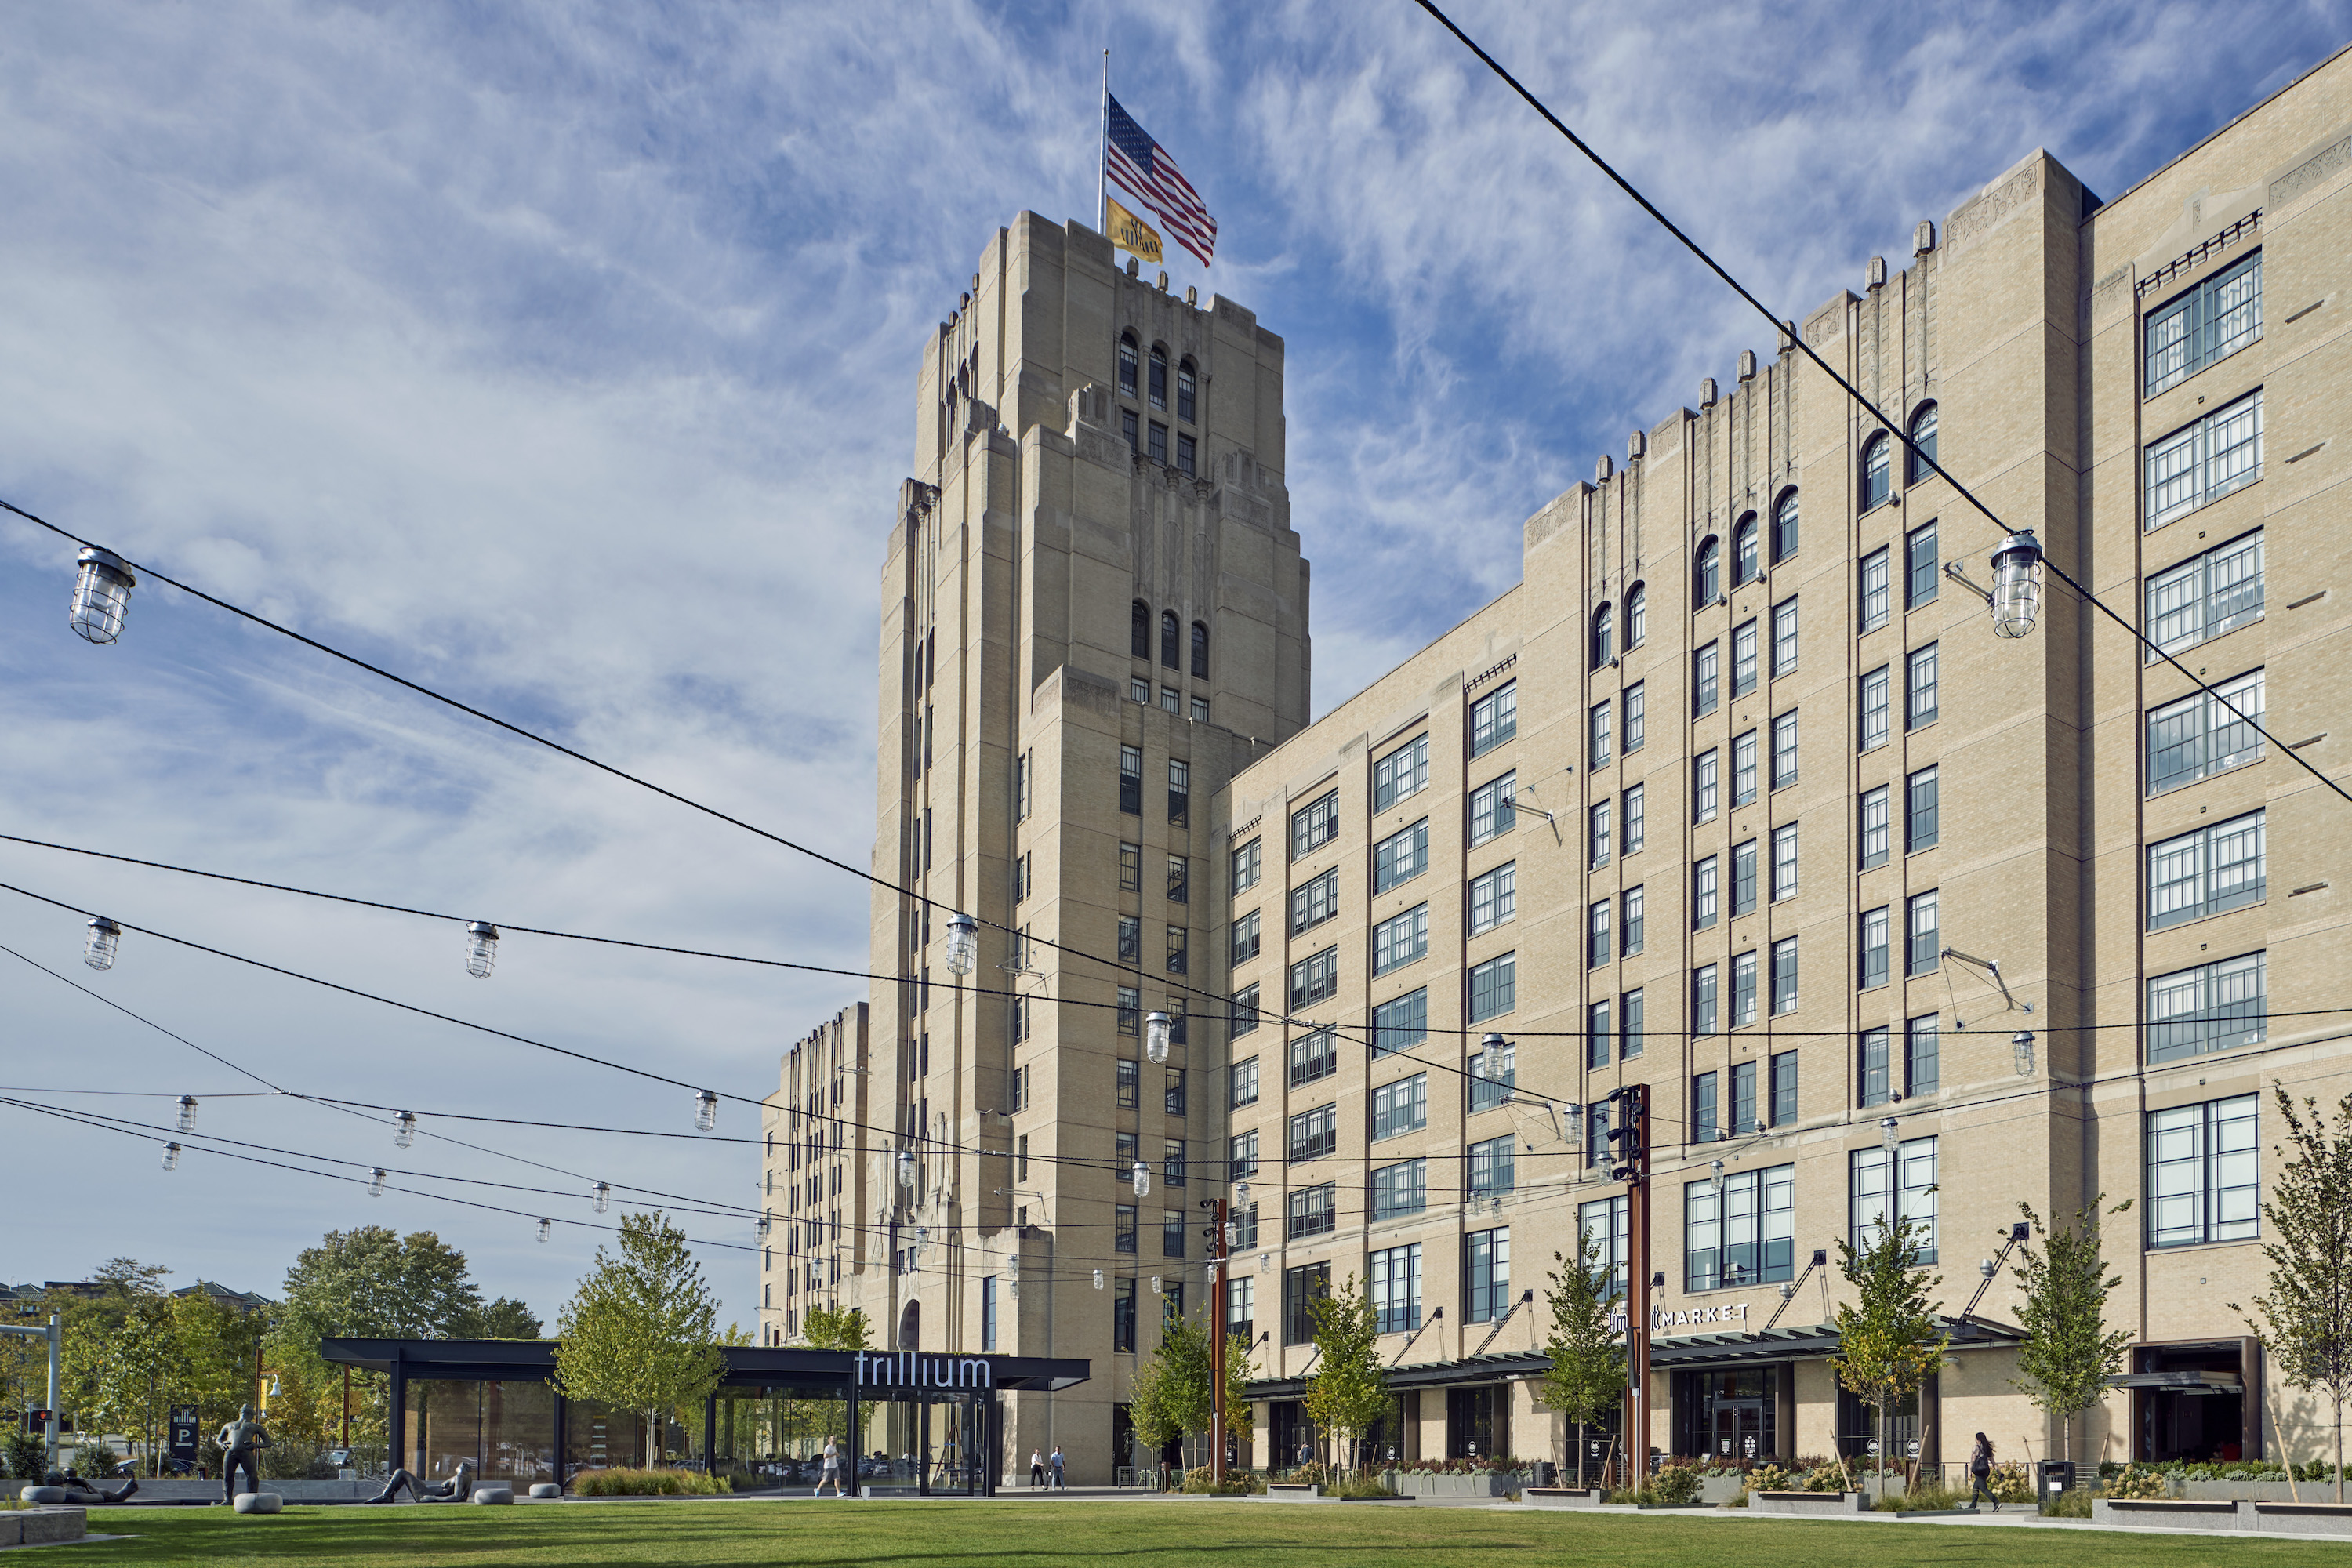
(1731, 1418)
(507, 1428)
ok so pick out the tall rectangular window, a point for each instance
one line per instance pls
(1596, 935)
(1886, 1190)
(1494, 987)
(1403, 772)
(1705, 893)
(1784, 750)
(1401, 856)
(1921, 1069)
(1130, 1085)
(1490, 1167)
(1491, 813)
(1874, 595)
(1743, 878)
(1400, 940)
(1743, 768)
(1637, 826)
(1130, 1010)
(1400, 1022)
(2201, 735)
(1313, 1055)
(1314, 1135)
(1596, 834)
(1487, 1270)
(1491, 1082)
(1599, 727)
(1122, 1308)
(1180, 793)
(2202, 462)
(1704, 786)
(1921, 827)
(1494, 897)
(1245, 868)
(1629, 1026)
(1131, 780)
(1130, 867)
(1494, 719)
(1637, 717)
(2212, 1007)
(1172, 1165)
(1179, 880)
(1703, 1127)
(1706, 678)
(1923, 948)
(1130, 938)
(1021, 770)
(1784, 975)
(1739, 1229)
(1401, 1107)
(1784, 637)
(1180, 947)
(1246, 1011)
(1743, 659)
(1919, 580)
(1246, 938)
(1310, 1212)
(2207, 872)
(1314, 977)
(2210, 321)
(1396, 1288)
(1920, 688)
(1171, 1097)
(1607, 1224)
(1873, 712)
(1188, 457)
(1123, 1227)
(1784, 1088)
(1241, 1155)
(2206, 595)
(1315, 900)
(1743, 989)
(1314, 824)
(1876, 1068)
(2204, 1173)
(1875, 827)
(1703, 999)
(1630, 927)
(1784, 861)
(1874, 947)
(1597, 1036)
(1301, 1288)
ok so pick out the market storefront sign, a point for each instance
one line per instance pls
(1730, 1313)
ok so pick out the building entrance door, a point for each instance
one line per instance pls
(1739, 1427)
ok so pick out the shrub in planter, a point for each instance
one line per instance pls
(2139, 1481)
(1769, 1478)
(1824, 1477)
(1673, 1484)
(644, 1483)
(26, 1456)
(2011, 1482)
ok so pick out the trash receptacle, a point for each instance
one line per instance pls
(2051, 1477)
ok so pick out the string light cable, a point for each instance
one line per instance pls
(1788, 330)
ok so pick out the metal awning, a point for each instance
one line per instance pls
(1496, 1368)
(1809, 1342)
(747, 1366)
(2194, 1381)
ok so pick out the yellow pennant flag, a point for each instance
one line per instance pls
(1129, 232)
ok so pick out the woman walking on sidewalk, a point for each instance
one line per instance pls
(1980, 1468)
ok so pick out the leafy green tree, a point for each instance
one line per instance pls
(2305, 1319)
(1174, 1390)
(504, 1319)
(369, 1282)
(1241, 1421)
(1349, 1390)
(1587, 1378)
(1888, 1342)
(219, 1348)
(835, 1329)
(2069, 1353)
(641, 1332)
(123, 1363)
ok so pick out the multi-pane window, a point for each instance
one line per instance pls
(1604, 638)
(1637, 615)
(1244, 1011)
(1400, 940)
(1401, 856)
(1877, 470)
(1314, 824)
(1314, 1135)
(1171, 699)
(1628, 928)
(1179, 880)
(1596, 935)
(1491, 1081)
(2207, 872)
(1400, 1022)
(1486, 1275)
(1920, 688)
(1396, 1288)
(1743, 768)
(1403, 772)
(1637, 826)
(1703, 999)
(1130, 1085)
(1188, 454)
(1921, 826)
(1242, 1084)
(1131, 426)
(1140, 691)
(1705, 680)
(1597, 834)
(1130, 938)
(1743, 878)
(1246, 938)
(2204, 1173)
(1172, 1245)
(1130, 867)
(2206, 595)
(1245, 867)
(1171, 1164)
(1494, 719)
(1923, 446)
(1743, 989)
(1705, 782)
(1919, 560)
(1301, 1288)
(1783, 1087)
(1629, 1026)
(1784, 528)
(1743, 552)
(1873, 956)
(1739, 1229)
(1597, 1035)
(1309, 1211)
(1180, 792)
(1784, 750)
(1131, 779)
(1123, 1230)
(1490, 1167)
(2216, 319)
(1921, 1063)
(1401, 1107)
(1491, 813)
(1703, 1126)
(1403, 1188)
(2219, 453)
(1180, 947)
(1130, 1010)
(1875, 827)
(1746, 1116)
(1875, 599)
(1784, 861)
(1784, 975)
(2212, 1007)
(1171, 1093)
(1876, 1066)
(1874, 694)
(1606, 1226)
(2201, 735)
(1707, 575)
(1314, 977)
(1706, 889)
(1784, 636)
(1886, 1190)
(1599, 725)
(1021, 770)
(1637, 717)
(1494, 987)
(1923, 945)
(1743, 659)
(1315, 900)
(1313, 1055)
(1186, 392)
(1494, 897)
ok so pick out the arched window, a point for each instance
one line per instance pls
(1707, 582)
(1784, 528)
(1159, 376)
(1126, 364)
(1604, 637)
(910, 1327)
(1138, 629)
(1923, 437)
(1187, 398)
(1637, 615)
(1877, 475)
(1743, 550)
(1201, 649)
(1171, 653)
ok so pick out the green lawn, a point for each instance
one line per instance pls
(1018, 1534)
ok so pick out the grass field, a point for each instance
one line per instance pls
(1018, 1534)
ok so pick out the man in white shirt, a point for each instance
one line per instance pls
(1036, 1469)
(832, 1472)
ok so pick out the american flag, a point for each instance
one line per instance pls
(1142, 168)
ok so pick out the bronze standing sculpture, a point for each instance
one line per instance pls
(241, 1442)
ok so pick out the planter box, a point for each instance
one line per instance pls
(1424, 1483)
(1563, 1497)
(2258, 1491)
(1291, 1492)
(1721, 1490)
(43, 1526)
(1808, 1503)
(2300, 1519)
(2168, 1513)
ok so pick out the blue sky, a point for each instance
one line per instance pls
(562, 357)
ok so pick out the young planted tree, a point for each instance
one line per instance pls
(641, 1332)
(1241, 1423)
(1587, 1379)
(2069, 1353)
(1888, 1342)
(2305, 1319)
(1174, 1390)
(1348, 1391)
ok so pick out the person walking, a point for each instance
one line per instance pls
(1036, 1470)
(831, 1472)
(1980, 1468)
(1057, 1463)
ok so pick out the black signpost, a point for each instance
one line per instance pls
(186, 1432)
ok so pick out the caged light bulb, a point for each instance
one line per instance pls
(403, 1129)
(1098, 1278)
(706, 1112)
(546, 1228)
(375, 1183)
(1156, 1032)
(907, 1169)
(1142, 1177)
(170, 1156)
(482, 949)
(2016, 584)
(604, 1203)
(101, 595)
(97, 948)
(187, 1113)
(963, 943)
(1887, 1138)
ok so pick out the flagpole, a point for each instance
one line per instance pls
(1102, 163)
